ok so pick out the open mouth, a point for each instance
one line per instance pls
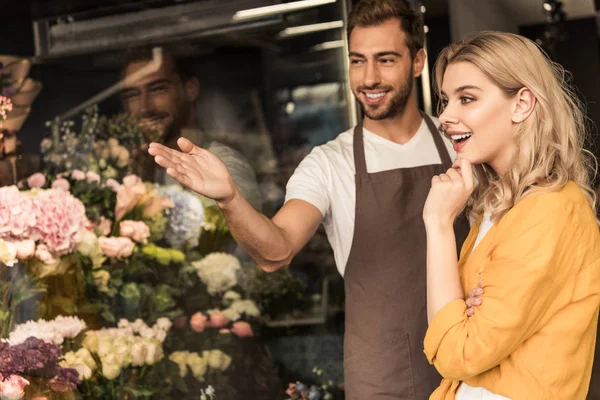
(459, 140)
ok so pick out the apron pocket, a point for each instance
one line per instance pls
(384, 374)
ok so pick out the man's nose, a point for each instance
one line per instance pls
(372, 76)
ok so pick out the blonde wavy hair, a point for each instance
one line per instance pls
(549, 142)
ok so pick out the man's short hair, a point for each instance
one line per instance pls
(182, 66)
(369, 13)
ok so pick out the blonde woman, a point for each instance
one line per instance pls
(534, 246)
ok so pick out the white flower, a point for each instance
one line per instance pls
(218, 271)
(69, 327)
(198, 366)
(163, 324)
(216, 359)
(82, 361)
(111, 368)
(232, 295)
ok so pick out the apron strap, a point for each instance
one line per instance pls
(360, 164)
(439, 142)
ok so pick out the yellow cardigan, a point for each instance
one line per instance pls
(533, 337)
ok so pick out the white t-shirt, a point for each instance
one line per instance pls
(325, 178)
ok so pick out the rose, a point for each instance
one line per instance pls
(61, 184)
(131, 180)
(111, 368)
(136, 230)
(92, 177)
(117, 247)
(78, 175)
(242, 329)
(218, 320)
(198, 322)
(36, 180)
(25, 249)
(113, 184)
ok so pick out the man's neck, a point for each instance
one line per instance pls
(399, 129)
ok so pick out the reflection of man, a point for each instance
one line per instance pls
(368, 187)
(166, 102)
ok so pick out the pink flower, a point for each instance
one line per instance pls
(198, 322)
(105, 226)
(217, 320)
(78, 175)
(43, 254)
(242, 329)
(25, 249)
(61, 184)
(224, 331)
(12, 388)
(156, 205)
(117, 247)
(18, 214)
(131, 180)
(113, 184)
(92, 177)
(128, 198)
(36, 180)
(136, 230)
(60, 220)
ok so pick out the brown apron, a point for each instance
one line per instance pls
(385, 281)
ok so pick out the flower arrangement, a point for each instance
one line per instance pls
(125, 278)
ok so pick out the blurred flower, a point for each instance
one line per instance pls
(36, 180)
(136, 230)
(218, 271)
(13, 387)
(61, 184)
(198, 322)
(242, 329)
(116, 247)
(185, 219)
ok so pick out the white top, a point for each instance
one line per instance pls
(325, 178)
(466, 392)
(486, 225)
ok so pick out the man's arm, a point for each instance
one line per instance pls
(271, 243)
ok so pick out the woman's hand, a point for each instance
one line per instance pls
(448, 194)
(474, 299)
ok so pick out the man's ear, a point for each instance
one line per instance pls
(419, 63)
(192, 89)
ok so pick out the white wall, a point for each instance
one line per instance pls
(467, 16)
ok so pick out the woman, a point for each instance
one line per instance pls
(534, 246)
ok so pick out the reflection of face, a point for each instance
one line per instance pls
(381, 69)
(159, 99)
(477, 116)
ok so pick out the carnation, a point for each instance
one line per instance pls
(60, 220)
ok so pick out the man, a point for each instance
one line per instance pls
(368, 187)
(166, 102)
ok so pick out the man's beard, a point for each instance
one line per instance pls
(394, 107)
